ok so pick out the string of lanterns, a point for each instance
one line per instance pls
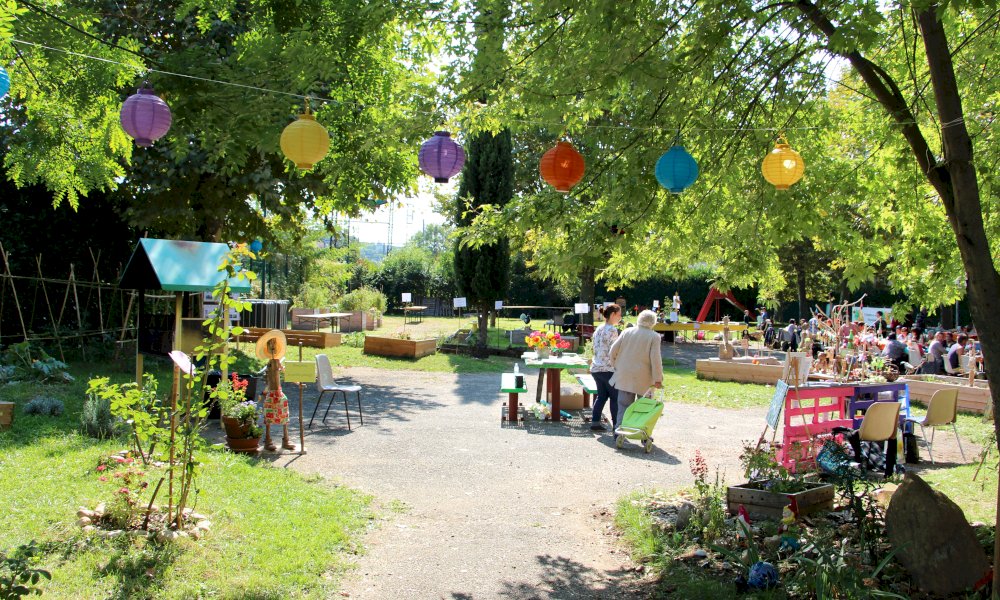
(146, 118)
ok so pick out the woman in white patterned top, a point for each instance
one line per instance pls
(601, 368)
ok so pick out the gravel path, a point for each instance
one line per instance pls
(491, 511)
(495, 511)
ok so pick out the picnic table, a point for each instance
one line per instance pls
(413, 314)
(553, 367)
(334, 319)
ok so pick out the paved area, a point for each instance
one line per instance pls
(493, 511)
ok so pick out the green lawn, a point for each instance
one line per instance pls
(275, 533)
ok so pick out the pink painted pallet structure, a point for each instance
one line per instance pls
(810, 416)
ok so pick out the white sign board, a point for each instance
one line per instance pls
(656, 304)
(801, 375)
(869, 316)
(581, 308)
(459, 302)
(498, 305)
(607, 304)
(208, 309)
(407, 297)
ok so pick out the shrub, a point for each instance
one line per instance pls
(19, 575)
(26, 362)
(45, 406)
(364, 298)
(96, 419)
(354, 340)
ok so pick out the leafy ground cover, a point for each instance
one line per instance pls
(275, 533)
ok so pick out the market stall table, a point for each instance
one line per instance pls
(552, 367)
(333, 317)
(413, 314)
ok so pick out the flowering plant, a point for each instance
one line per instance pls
(246, 413)
(541, 339)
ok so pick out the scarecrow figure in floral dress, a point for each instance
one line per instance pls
(271, 346)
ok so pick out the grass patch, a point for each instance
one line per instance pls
(683, 386)
(275, 533)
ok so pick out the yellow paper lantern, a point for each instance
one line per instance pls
(783, 166)
(305, 142)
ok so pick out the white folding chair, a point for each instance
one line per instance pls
(325, 382)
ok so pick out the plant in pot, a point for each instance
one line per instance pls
(239, 415)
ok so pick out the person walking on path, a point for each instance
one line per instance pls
(635, 357)
(601, 367)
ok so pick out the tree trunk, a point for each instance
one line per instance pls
(484, 324)
(587, 284)
(800, 280)
(958, 186)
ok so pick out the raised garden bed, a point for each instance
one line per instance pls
(740, 371)
(764, 504)
(385, 346)
(6, 415)
(974, 398)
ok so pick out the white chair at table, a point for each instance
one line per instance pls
(915, 361)
(325, 382)
(941, 411)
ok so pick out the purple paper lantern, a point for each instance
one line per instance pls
(441, 157)
(145, 117)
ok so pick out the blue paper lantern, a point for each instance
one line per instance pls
(256, 246)
(4, 82)
(676, 170)
(441, 157)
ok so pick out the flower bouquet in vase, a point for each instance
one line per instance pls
(546, 343)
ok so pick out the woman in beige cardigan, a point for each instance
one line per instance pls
(635, 356)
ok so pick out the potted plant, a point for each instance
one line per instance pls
(239, 415)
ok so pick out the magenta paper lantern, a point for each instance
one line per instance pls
(145, 117)
(441, 157)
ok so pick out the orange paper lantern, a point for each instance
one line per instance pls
(783, 166)
(562, 167)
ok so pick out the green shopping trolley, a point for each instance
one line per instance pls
(639, 420)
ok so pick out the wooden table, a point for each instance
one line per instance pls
(333, 317)
(552, 367)
(413, 314)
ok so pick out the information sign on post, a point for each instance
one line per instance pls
(498, 305)
(407, 297)
(459, 302)
(581, 308)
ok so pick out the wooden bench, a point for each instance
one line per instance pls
(589, 387)
(508, 385)
(312, 339)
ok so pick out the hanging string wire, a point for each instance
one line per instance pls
(306, 97)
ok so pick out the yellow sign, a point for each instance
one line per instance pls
(300, 372)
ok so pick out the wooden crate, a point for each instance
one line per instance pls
(311, 339)
(383, 346)
(742, 372)
(6, 414)
(762, 504)
(970, 399)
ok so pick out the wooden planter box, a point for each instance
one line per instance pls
(970, 398)
(383, 346)
(6, 414)
(360, 320)
(739, 371)
(310, 339)
(762, 504)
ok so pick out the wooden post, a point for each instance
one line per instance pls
(76, 300)
(302, 430)
(10, 279)
(174, 391)
(52, 316)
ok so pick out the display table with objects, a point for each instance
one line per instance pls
(333, 318)
(551, 369)
(510, 385)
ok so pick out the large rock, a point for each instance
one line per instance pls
(933, 540)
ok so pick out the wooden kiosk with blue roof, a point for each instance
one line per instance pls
(177, 266)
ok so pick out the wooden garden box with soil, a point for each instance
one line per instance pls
(764, 504)
(384, 346)
(971, 398)
(6, 415)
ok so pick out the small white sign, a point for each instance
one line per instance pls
(581, 308)
(498, 305)
(407, 297)
(656, 304)
(673, 316)
(459, 302)
(607, 304)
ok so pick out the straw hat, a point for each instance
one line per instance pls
(279, 345)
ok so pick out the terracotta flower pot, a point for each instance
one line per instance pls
(235, 429)
(244, 445)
